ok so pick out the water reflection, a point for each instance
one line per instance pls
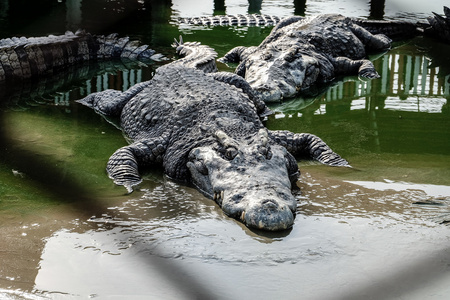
(408, 83)
(390, 114)
(59, 90)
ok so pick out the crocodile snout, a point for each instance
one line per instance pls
(269, 205)
(269, 215)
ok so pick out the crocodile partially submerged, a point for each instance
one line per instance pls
(206, 129)
(300, 53)
(24, 58)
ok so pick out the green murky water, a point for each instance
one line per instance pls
(67, 232)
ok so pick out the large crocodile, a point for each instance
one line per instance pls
(303, 52)
(206, 129)
(23, 58)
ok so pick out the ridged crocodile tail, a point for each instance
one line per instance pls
(439, 26)
(22, 58)
(394, 29)
(231, 20)
(195, 55)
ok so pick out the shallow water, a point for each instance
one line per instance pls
(376, 231)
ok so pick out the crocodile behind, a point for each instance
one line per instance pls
(301, 53)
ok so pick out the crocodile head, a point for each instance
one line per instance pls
(280, 73)
(250, 180)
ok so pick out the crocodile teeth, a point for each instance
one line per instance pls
(218, 196)
(243, 215)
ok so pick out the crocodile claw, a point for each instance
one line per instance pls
(368, 74)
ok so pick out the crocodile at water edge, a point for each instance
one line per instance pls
(301, 53)
(205, 129)
(25, 58)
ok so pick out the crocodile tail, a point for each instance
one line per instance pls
(22, 58)
(195, 55)
(112, 46)
(447, 12)
(439, 26)
(395, 30)
(232, 20)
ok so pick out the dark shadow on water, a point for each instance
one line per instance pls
(268, 237)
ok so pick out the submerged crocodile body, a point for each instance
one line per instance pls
(206, 129)
(303, 52)
(24, 58)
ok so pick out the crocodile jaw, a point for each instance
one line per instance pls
(250, 187)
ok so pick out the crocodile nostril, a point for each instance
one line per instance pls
(269, 204)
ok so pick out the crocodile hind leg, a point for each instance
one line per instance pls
(362, 67)
(307, 145)
(111, 102)
(123, 166)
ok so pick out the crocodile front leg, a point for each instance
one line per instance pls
(309, 145)
(362, 67)
(123, 166)
(237, 55)
(234, 55)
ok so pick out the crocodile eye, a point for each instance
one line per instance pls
(266, 152)
(201, 168)
(266, 56)
(289, 57)
(230, 153)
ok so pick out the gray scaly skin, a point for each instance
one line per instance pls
(23, 58)
(302, 52)
(205, 129)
